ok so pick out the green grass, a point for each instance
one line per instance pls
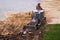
(52, 32)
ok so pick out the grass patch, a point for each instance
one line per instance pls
(52, 32)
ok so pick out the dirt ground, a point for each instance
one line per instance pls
(52, 9)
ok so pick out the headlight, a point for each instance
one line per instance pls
(24, 32)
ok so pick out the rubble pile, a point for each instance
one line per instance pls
(14, 22)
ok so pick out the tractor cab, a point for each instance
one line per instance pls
(38, 19)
